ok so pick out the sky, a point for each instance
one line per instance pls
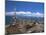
(26, 8)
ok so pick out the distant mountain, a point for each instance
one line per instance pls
(28, 17)
(9, 19)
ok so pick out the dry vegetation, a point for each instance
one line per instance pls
(22, 26)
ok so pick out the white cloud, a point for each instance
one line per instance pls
(19, 0)
(39, 14)
(28, 13)
(10, 13)
(28, 0)
(22, 12)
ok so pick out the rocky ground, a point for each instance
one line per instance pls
(25, 28)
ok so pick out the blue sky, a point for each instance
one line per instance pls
(32, 7)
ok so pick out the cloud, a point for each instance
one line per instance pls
(9, 13)
(37, 14)
(28, 13)
(22, 12)
(19, 0)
